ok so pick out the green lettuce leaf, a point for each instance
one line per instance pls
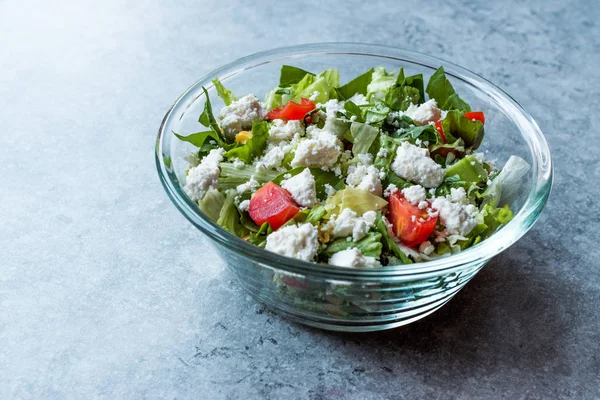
(380, 83)
(400, 97)
(198, 139)
(387, 242)
(229, 217)
(309, 215)
(377, 112)
(254, 146)
(456, 125)
(259, 238)
(369, 246)
(212, 203)
(490, 219)
(440, 89)
(417, 82)
(468, 169)
(390, 145)
(291, 75)
(363, 137)
(226, 95)
(356, 85)
(358, 200)
(505, 185)
(231, 176)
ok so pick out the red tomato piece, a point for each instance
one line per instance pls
(412, 225)
(475, 115)
(292, 110)
(438, 126)
(273, 204)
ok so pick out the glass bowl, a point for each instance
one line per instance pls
(352, 299)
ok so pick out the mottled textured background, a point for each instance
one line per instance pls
(107, 291)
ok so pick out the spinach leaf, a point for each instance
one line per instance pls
(417, 82)
(291, 75)
(254, 146)
(440, 89)
(226, 95)
(364, 135)
(458, 126)
(377, 112)
(369, 246)
(400, 97)
(357, 85)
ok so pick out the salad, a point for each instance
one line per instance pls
(382, 170)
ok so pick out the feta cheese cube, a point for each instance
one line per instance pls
(414, 164)
(302, 187)
(296, 241)
(240, 114)
(352, 257)
(205, 176)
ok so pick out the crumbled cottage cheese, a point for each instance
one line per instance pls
(415, 194)
(347, 223)
(240, 114)
(243, 206)
(285, 131)
(458, 195)
(365, 178)
(329, 190)
(391, 189)
(205, 176)
(302, 187)
(321, 150)
(414, 164)
(352, 257)
(249, 186)
(459, 219)
(237, 163)
(424, 113)
(359, 99)
(301, 242)
(272, 158)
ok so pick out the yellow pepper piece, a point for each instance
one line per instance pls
(243, 136)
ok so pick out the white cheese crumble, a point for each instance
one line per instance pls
(205, 176)
(329, 190)
(243, 206)
(352, 257)
(302, 187)
(414, 194)
(365, 178)
(382, 153)
(458, 195)
(237, 163)
(414, 164)
(391, 189)
(240, 114)
(249, 186)
(348, 223)
(358, 99)
(301, 242)
(458, 219)
(272, 158)
(426, 248)
(425, 113)
(322, 150)
(285, 131)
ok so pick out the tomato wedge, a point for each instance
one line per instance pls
(412, 225)
(292, 110)
(472, 115)
(273, 204)
(475, 115)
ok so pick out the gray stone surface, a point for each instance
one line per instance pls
(107, 291)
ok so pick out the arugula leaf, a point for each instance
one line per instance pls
(231, 176)
(259, 238)
(456, 125)
(387, 241)
(226, 95)
(212, 203)
(440, 89)
(352, 110)
(364, 135)
(207, 118)
(369, 246)
(229, 217)
(198, 139)
(291, 75)
(356, 85)
(254, 146)
(322, 178)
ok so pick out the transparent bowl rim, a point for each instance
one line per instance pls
(542, 168)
